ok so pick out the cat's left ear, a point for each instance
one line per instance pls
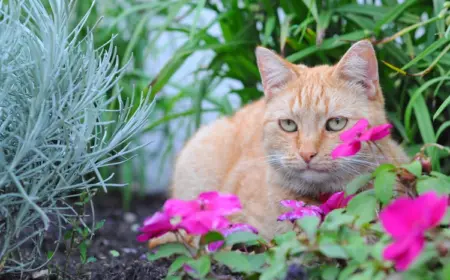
(359, 65)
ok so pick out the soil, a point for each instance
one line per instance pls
(118, 235)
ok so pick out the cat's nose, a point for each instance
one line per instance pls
(308, 156)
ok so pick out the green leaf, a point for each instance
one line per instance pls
(446, 271)
(167, 250)
(234, 260)
(177, 264)
(357, 249)
(383, 168)
(333, 251)
(384, 185)
(439, 185)
(285, 237)
(212, 236)
(201, 265)
(363, 206)
(83, 251)
(114, 253)
(99, 225)
(330, 273)
(91, 260)
(242, 237)
(429, 50)
(68, 235)
(395, 68)
(256, 261)
(357, 183)
(335, 219)
(268, 29)
(393, 14)
(414, 167)
(309, 225)
(50, 254)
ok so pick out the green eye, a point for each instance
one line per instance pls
(336, 124)
(288, 125)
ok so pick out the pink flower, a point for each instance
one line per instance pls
(205, 213)
(155, 226)
(299, 210)
(214, 246)
(202, 222)
(222, 204)
(407, 220)
(181, 208)
(360, 132)
(335, 201)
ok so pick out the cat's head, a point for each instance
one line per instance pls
(307, 108)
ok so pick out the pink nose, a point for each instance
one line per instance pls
(307, 156)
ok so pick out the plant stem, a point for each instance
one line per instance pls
(183, 241)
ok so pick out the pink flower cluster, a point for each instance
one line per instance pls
(407, 220)
(359, 133)
(300, 210)
(197, 217)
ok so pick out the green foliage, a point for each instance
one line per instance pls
(55, 124)
(411, 40)
(347, 244)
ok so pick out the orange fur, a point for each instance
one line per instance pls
(249, 155)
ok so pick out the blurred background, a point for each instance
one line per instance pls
(198, 58)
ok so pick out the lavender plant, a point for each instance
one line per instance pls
(55, 127)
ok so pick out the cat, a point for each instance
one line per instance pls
(279, 147)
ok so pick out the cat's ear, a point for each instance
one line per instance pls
(359, 65)
(275, 71)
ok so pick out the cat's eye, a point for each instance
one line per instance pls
(336, 124)
(288, 125)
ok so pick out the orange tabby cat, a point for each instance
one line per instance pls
(279, 147)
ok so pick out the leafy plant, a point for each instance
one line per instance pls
(411, 40)
(347, 237)
(55, 123)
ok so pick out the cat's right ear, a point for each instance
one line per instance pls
(275, 71)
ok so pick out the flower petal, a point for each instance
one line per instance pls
(376, 132)
(354, 132)
(434, 208)
(336, 201)
(400, 217)
(292, 204)
(222, 204)
(346, 149)
(300, 213)
(155, 226)
(183, 208)
(203, 222)
(404, 251)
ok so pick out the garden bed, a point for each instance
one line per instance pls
(118, 235)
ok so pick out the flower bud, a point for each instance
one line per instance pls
(425, 162)
(442, 250)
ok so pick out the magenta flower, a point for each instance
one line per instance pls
(205, 213)
(335, 201)
(155, 226)
(181, 208)
(407, 220)
(299, 210)
(202, 222)
(222, 204)
(214, 246)
(360, 132)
